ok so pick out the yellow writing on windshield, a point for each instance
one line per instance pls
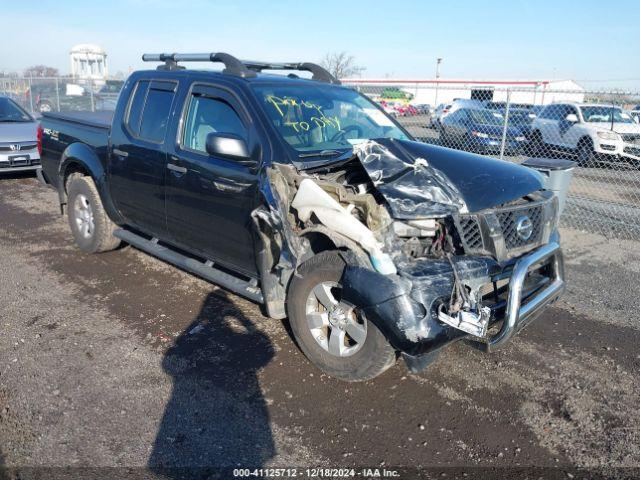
(279, 103)
(322, 122)
(318, 119)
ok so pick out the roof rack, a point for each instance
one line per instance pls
(319, 73)
(233, 66)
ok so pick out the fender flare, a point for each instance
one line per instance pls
(82, 156)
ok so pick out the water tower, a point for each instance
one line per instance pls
(88, 62)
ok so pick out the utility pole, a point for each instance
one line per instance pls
(438, 62)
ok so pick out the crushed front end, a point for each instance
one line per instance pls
(440, 245)
(482, 275)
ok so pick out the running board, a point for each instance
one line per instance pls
(206, 270)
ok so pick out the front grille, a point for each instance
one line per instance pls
(631, 137)
(470, 233)
(509, 222)
(635, 151)
(495, 232)
(21, 146)
(19, 163)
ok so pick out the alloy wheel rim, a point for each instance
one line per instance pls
(334, 324)
(83, 215)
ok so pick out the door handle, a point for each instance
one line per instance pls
(120, 153)
(176, 168)
(228, 187)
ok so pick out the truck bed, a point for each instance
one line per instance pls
(99, 119)
(62, 130)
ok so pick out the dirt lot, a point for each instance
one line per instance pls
(119, 360)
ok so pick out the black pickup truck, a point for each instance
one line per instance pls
(304, 196)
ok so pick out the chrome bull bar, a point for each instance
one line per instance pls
(518, 315)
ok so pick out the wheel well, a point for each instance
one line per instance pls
(322, 239)
(585, 140)
(72, 168)
(319, 242)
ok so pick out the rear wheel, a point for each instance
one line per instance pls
(333, 334)
(90, 225)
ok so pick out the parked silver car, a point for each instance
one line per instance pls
(19, 150)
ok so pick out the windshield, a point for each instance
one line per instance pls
(485, 117)
(317, 117)
(11, 112)
(520, 117)
(603, 114)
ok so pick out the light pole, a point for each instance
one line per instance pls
(438, 62)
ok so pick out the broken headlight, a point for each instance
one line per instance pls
(415, 228)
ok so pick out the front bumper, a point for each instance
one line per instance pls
(404, 307)
(519, 314)
(19, 162)
(621, 150)
(494, 145)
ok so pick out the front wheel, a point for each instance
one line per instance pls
(536, 146)
(333, 334)
(91, 227)
(586, 155)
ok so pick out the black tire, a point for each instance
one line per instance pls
(99, 236)
(374, 356)
(585, 155)
(445, 141)
(536, 147)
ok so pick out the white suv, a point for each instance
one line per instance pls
(593, 132)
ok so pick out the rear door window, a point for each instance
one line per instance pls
(136, 106)
(155, 116)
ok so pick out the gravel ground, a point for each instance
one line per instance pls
(119, 360)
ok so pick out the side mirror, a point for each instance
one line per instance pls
(571, 118)
(228, 145)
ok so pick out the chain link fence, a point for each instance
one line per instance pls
(600, 131)
(60, 94)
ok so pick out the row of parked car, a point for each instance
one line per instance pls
(65, 96)
(400, 109)
(590, 133)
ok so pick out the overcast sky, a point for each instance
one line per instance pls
(594, 42)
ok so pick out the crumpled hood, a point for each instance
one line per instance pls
(419, 180)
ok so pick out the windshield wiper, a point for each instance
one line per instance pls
(12, 120)
(323, 153)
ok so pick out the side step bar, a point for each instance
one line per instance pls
(205, 270)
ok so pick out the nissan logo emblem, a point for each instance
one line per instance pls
(524, 227)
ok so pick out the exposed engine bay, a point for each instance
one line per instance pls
(397, 217)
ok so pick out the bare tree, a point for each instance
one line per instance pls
(341, 65)
(41, 71)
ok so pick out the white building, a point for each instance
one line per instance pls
(435, 92)
(88, 62)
